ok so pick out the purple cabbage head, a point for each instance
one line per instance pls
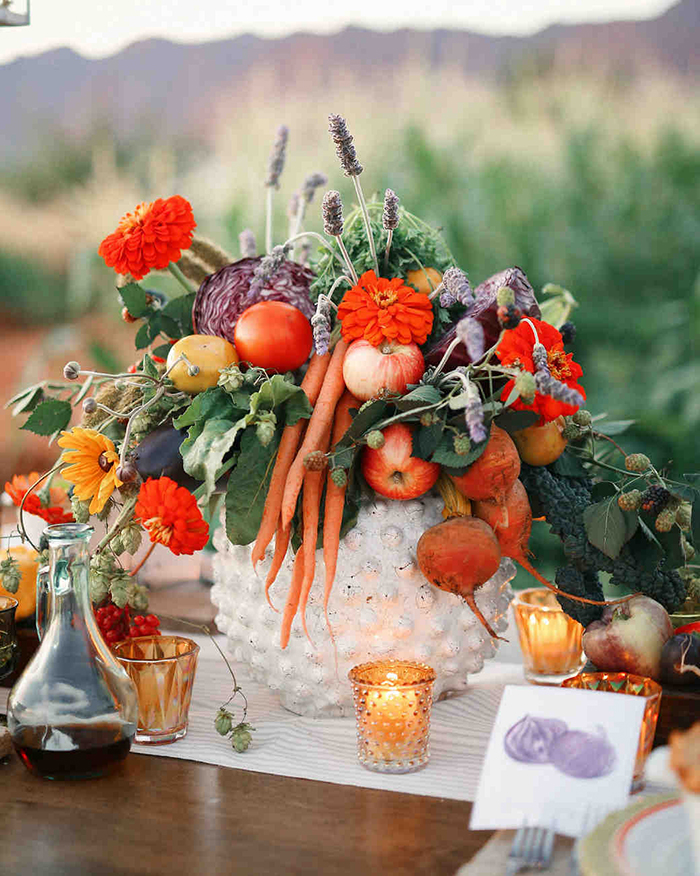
(224, 295)
(483, 310)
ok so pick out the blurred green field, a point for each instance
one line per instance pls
(596, 188)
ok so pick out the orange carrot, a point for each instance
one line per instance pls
(335, 500)
(311, 504)
(311, 384)
(281, 543)
(290, 608)
(321, 419)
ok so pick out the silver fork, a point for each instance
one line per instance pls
(531, 849)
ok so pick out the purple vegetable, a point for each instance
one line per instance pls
(583, 755)
(530, 740)
(223, 296)
(484, 311)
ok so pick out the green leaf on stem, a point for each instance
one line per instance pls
(247, 487)
(134, 298)
(49, 417)
(608, 527)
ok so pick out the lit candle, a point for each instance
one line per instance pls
(393, 699)
(550, 640)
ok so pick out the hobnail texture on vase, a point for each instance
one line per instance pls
(381, 606)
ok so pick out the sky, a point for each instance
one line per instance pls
(97, 28)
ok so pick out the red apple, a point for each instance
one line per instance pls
(391, 470)
(367, 369)
(629, 637)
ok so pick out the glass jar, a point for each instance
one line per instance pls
(73, 711)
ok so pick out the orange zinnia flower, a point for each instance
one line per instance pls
(378, 309)
(151, 237)
(52, 513)
(171, 516)
(515, 349)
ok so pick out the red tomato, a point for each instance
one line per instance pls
(273, 335)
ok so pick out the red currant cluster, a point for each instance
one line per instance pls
(117, 623)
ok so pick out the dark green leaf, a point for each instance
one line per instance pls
(363, 422)
(203, 457)
(695, 521)
(445, 453)
(426, 440)
(475, 452)
(419, 397)
(614, 427)
(569, 466)
(180, 311)
(143, 337)
(608, 527)
(162, 350)
(134, 298)
(49, 417)
(513, 421)
(277, 391)
(247, 487)
(214, 403)
(167, 325)
(29, 401)
(602, 490)
(297, 408)
(645, 547)
(671, 544)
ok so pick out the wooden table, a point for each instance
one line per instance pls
(166, 816)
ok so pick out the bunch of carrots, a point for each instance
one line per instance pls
(325, 388)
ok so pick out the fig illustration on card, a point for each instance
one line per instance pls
(578, 753)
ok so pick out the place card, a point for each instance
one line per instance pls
(557, 758)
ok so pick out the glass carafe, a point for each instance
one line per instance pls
(72, 713)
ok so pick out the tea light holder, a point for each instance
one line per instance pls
(549, 639)
(632, 685)
(393, 699)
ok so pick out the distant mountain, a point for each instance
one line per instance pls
(177, 87)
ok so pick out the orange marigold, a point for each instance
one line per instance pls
(515, 349)
(171, 516)
(17, 488)
(151, 237)
(377, 309)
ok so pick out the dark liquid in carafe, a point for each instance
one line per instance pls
(98, 750)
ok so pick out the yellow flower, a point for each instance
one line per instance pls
(93, 466)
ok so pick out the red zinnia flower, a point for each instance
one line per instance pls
(378, 308)
(151, 237)
(52, 513)
(515, 349)
(171, 516)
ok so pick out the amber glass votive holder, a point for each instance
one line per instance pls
(162, 669)
(393, 699)
(634, 685)
(549, 639)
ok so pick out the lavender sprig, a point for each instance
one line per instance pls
(267, 269)
(474, 415)
(345, 151)
(332, 210)
(312, 182)
(274, 171)
(321, 325)
(338, 129)
(277, 157)
(247, 244)
(471, 333)
(457, 289)
(301, 199)
(390, 221)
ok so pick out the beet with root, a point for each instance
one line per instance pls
(494, 472)
(459, 556)
(511, 522)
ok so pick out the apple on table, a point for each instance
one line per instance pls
(629, 637)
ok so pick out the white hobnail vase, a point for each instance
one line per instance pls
(381, 606)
